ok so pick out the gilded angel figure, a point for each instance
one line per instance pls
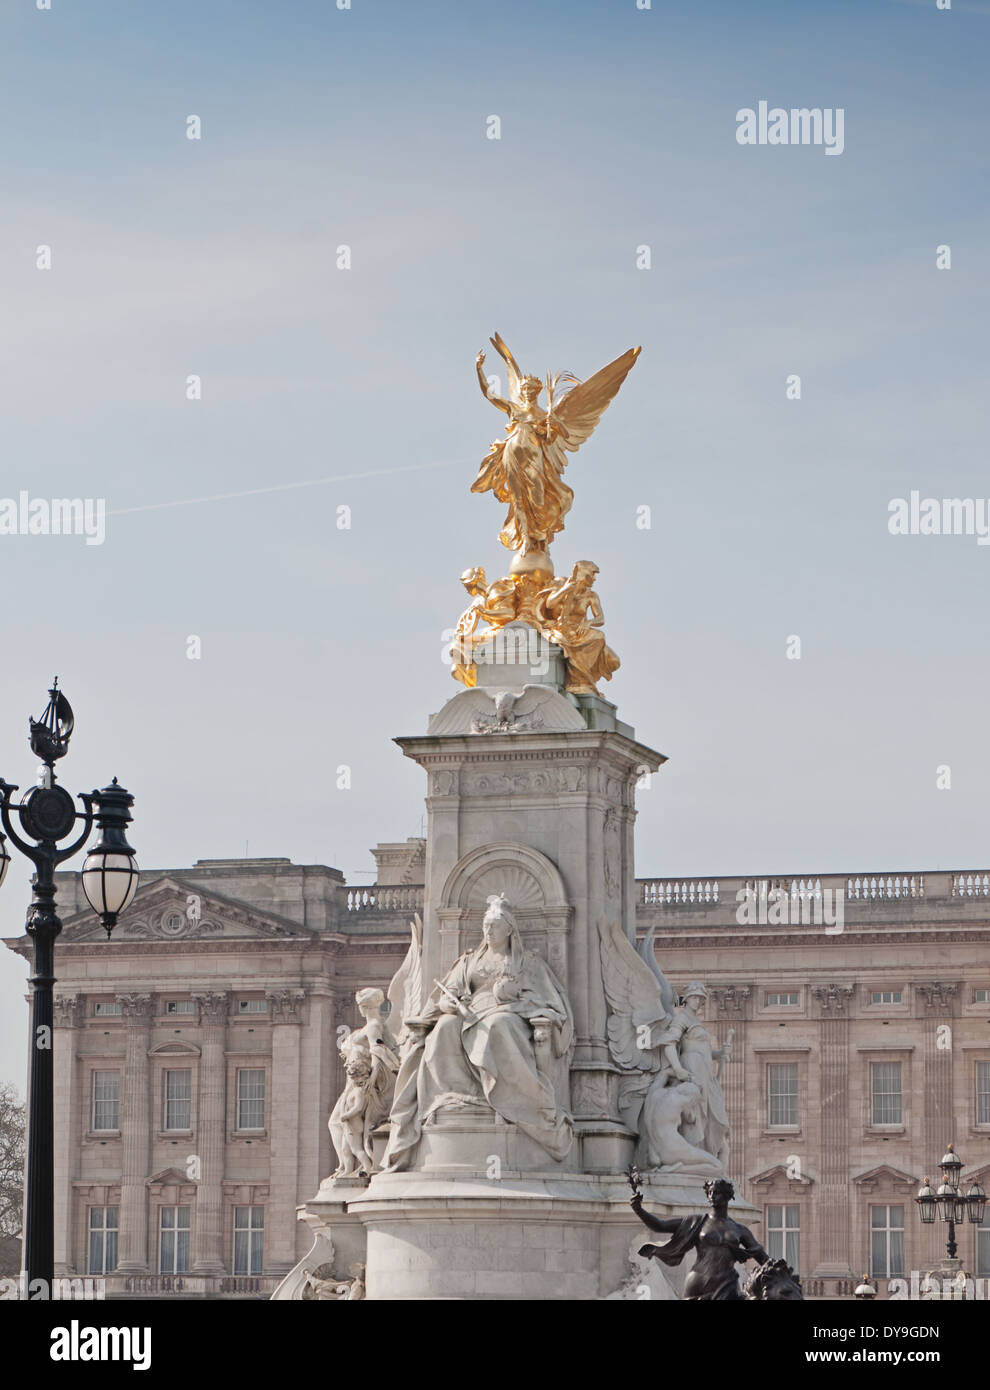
(526, 469)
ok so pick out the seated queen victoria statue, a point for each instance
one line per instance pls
(475, 1046)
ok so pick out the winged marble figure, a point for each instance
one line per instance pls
(405, 993)
(670, 1094)
(641, 1004)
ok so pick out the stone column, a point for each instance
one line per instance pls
(936, 999)
(730, 1005)
(135, 1134)
(832, 1209)
(67, 1017)
(211, 1134)
(285, 1007)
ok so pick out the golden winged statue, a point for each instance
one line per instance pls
(526, 469)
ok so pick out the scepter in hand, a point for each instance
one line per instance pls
(462, 1008)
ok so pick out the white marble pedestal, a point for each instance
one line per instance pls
(533, 1236)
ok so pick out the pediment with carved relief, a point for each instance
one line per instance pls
(168, 1177)
(170, 909)
(783, 1175)
(883, 1176)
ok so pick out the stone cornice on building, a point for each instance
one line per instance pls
(388, 942)
(913, 908)
(703, 938)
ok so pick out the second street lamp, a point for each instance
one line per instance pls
(953, 1205)
(45, 816)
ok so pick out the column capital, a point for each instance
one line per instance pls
(136, 1007)
(284, 1004)
(68, 1010)
(832, 999)
(731, 1000)
(937, 995)
(214, 1006)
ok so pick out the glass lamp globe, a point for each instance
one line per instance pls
(109, 881)
(927, 1202)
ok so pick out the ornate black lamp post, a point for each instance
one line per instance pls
(47, 815)
(952, 1205)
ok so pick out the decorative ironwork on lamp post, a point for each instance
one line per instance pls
(47, 815)
(953, 1205)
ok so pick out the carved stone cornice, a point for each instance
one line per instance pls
(136, 1007)
(284, 1005)
(731, 1000)
(832, 999)
(68, 1010)
(213, 1007)
(938, 995)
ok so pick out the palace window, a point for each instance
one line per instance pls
(180, 1006)
(981, 996)
(107, 1008)
(782, 1094)
(178, 1100)
(885, 1090)
(887, 996)
(983, 1093)
(251, 1098)
(778, 1001)
(173, 1240)
(102, 1255)
(983, 1246)
(252, 1006)
(106, 1100)
(886, 1241)
(784, 1234)
(249, 1239)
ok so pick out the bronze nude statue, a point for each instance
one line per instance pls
(721, 1244)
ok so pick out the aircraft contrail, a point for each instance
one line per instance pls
(281, 487)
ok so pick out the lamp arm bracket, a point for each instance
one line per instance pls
(87, 817)
(24, 846)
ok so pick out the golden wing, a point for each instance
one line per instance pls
(512, 367)
(578, 412)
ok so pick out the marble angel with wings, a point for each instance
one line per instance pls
(526, 469)
(670, 1094)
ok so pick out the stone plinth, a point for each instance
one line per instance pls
(544, 815)
(524, 1235)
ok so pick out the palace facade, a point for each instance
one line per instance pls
(196, 1059)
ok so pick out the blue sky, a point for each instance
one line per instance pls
(367, 127)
